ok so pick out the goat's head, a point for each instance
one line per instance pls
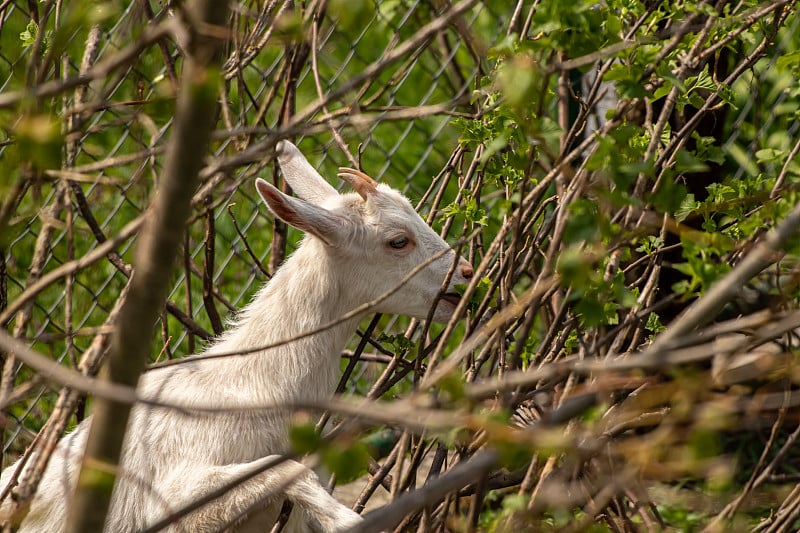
(374, 234)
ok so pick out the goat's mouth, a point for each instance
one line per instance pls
(452, 298)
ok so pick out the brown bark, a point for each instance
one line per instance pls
(156, 253)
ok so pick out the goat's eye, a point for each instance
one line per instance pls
(399, 243)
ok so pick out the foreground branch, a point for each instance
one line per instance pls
(457, 478)
(706, 308)
(155, 256)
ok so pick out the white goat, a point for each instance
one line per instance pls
(357, 247)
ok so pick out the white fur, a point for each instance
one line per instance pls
(172, 458)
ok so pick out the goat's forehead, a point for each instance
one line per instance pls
(397, 211)
(388, 203)
(390, 208)
(349, 201)
(391, 199)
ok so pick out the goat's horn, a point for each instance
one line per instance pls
(363, 184)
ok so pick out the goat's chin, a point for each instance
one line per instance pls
(444, 311)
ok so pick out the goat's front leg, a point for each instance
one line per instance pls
(287, 479)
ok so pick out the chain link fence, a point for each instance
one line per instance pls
(119, 130)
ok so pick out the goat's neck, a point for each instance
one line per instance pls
(305, 294)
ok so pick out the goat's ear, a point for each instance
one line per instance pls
(303, 178)
(302, 215)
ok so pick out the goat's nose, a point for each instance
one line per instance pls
(466, 270)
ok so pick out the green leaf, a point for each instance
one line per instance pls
(610, 315)
(506, 46)
(512, 454)
(624, 296)
(380, 443)
(452, 385)
(666, 72)
(707, 149)
(518, 80)
(654, 323)
(704, 81)
(28, 37)
(494, 146)
(591, 310)
(769, 155)
(651, 244)
(631, 89)
(687, 207)
(682, 287)
(348, 461)
(402, 344)
(304, 438)
(573, 267)
(666, 134)
(661, 92)
(478, 295)
(40, 141)
(790, 60)
(583, 224)
(686, 162)
(704, 443)
(470, 211)
(669, 197)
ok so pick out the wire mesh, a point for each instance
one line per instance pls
(123, 132)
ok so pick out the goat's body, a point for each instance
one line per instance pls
(355, 250)
(166, 448)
